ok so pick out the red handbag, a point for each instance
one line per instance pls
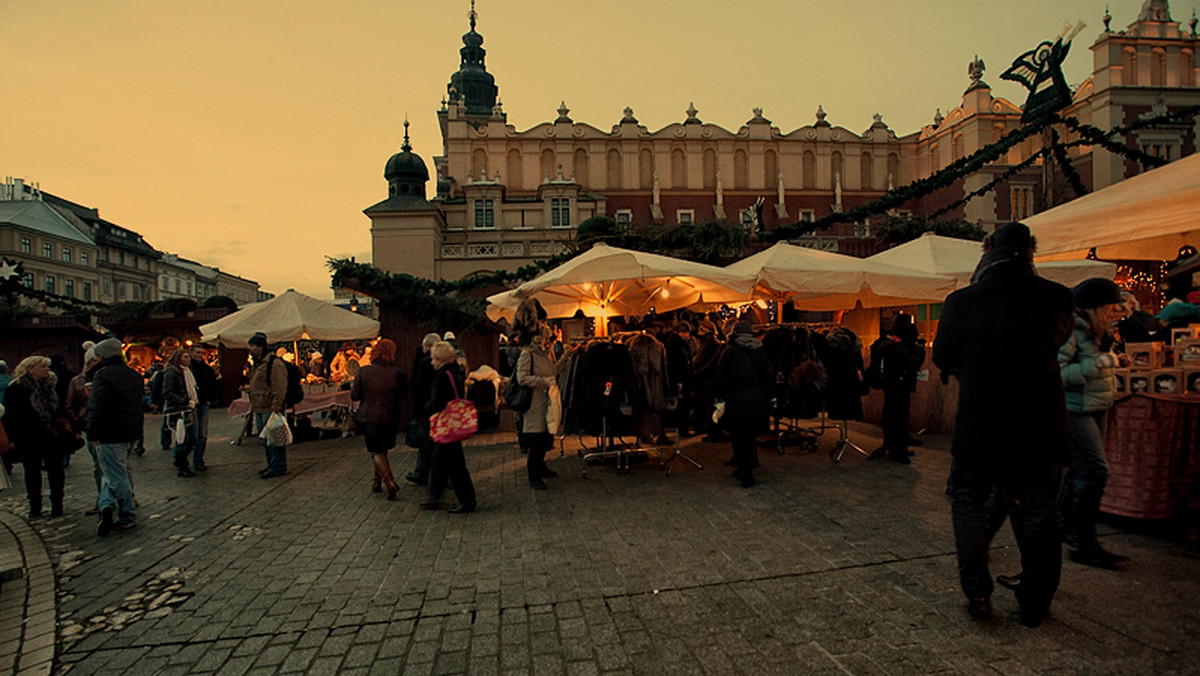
(456, 422)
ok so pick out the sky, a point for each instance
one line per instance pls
(250, 135)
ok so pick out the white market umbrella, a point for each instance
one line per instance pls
(957, 258)
(820, 280)
(609, 281)
(1147, 217)
(289, 317)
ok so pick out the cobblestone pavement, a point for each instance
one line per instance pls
(820, 568)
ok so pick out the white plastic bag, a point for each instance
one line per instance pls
(180, 432)
(718, 411)
(276, 432)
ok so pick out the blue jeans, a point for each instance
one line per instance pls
(94, 450)
(201, 412)
(1088, 470)
(276, 455)
(116, 490)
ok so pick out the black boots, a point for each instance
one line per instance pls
(1080, 510)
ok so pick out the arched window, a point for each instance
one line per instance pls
(1158, 67)
(549, 168)
(867, 170)
(770, 169)
(614, 169)
(1187, 62)
(836, 170)
(679, 177)
(710, 169)
(478, 164)
(741, 169)
(1129, 67)
(645, 169)
(958, 146)
(581, 167)
(810, 170)
(514, 179)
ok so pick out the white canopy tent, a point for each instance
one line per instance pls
(1147, 217)
(820, 280)
(609, 281)
(957, 258)
(289, 317)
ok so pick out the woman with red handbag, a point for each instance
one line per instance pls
(448, 459)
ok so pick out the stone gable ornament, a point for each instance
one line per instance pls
(975, 72)
(1040, 71)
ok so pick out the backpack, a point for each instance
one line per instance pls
(295, 391)
(156, 393)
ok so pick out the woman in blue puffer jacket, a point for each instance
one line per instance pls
(1086, 364)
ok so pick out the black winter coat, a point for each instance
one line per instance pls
(440, 390)
(206, 382)
(745, 380)
(1000, 337)
(115, 407)
(27, 432)
(174, 390)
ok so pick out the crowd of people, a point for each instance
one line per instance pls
(1034, 361)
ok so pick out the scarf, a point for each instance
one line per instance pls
(43, 397)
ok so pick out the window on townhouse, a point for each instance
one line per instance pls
(84, 259)
(177, 286)
(560, 212)
(27, 280)
(69, 288)
(684, 216)
(47, 251)
(1022, 202)
(485, 214)
(50, 286)
(26, 245)
(121, 258)
(66, 254)
(87, 290)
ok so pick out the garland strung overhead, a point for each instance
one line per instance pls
(959, 169)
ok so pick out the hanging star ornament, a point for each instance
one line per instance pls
(1040, 71)
(10, 270)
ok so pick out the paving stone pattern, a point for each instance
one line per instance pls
(819, 569)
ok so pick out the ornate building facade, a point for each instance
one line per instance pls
(506, 197)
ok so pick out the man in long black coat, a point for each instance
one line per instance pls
(1000, 338)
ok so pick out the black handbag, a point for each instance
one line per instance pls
(517, 397)
(414, 436)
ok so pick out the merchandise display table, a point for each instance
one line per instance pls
(1153, 451)
(312, 402)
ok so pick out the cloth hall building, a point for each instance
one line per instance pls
(504, 197)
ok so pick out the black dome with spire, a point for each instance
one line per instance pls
(405, 171)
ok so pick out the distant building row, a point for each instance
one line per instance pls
(68, 250)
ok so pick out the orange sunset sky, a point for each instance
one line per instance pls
(251, 134)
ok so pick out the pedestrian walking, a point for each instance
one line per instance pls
(536, 369)
(895, 360)
(206, 397)
(744, 380)
(267, 390)
(179, 406)
(380, 388)
(1086, 363)
(31, 405)
(1000, 337)
(422, 387)
(115, 425)
(448, 461)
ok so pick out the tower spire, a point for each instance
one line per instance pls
(472, 14)
(407, 146)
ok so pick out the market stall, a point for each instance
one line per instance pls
(957, 258)
(1147, 217)
(607, 281)
(289, 317)
(1153, 453)
(820, 280)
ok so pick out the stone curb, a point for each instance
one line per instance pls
(28, 605)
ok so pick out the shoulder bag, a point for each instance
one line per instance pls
(456, 422)
(519, 397)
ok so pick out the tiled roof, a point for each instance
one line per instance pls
(38, 216)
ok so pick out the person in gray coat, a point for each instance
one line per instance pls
(536, 369)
